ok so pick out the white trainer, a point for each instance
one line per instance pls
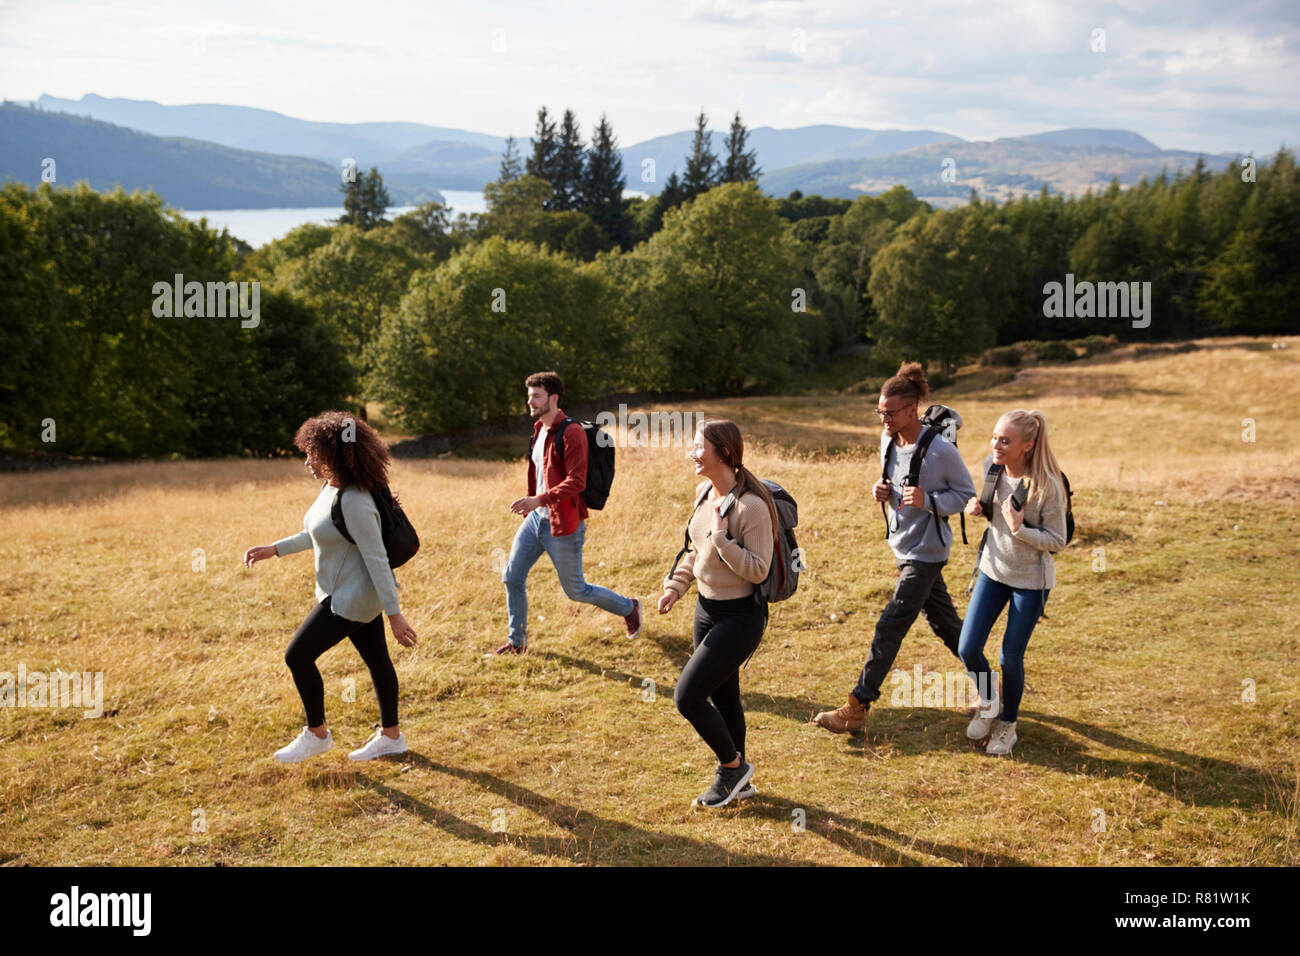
(380, 745)
(985, 717)
(1003, 739)
(304, 746)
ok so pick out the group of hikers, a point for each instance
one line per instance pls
(731, 536)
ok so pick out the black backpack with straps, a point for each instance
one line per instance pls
(938, 420)
(600, 461)
(400, 540)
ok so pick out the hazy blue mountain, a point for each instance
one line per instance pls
(776, 148)
(185, 172)
(1000, 169)
(265, 131)
(1108, 138)
(450, 165)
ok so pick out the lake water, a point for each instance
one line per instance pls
(260, 226)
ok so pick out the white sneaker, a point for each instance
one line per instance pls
(1003, 739)
(380, 745)
(306, 745)
(984, 718)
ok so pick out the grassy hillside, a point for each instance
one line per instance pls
(1134, 707)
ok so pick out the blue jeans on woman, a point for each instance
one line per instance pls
(533, 538)
(986, 603)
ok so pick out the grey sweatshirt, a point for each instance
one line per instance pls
(357, 576)
(947, 485)
(1023, 559)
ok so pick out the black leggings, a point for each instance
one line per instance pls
(321, 630)
(708, 692)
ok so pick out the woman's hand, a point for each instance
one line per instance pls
(259, 553)
(720, 523)
(974, 508)
(667, 600)
(404, 633)
(1014, 518)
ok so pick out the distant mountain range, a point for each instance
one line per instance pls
(217, 156)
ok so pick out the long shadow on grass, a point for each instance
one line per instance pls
(1189, 778)
(794, 708)
(1184, 776)
(594, 839)
(858, 836)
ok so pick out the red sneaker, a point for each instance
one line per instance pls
(633, 620)
(508, 648)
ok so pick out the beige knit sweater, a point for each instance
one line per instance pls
(1023, 559)
(726, 569)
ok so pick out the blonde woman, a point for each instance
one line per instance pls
(1016, 570)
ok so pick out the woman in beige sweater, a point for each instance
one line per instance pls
(1026, 524)
(732, 532)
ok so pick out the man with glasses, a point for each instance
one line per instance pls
(918, 535)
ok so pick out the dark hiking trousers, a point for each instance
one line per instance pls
(919, 590)
(708, 692)
(317, 634)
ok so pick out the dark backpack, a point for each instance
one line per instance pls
(787, 559)
(938, 420)
(600, 460)
(400, 540)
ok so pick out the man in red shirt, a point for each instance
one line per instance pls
(555, 517)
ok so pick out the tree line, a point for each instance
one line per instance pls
(440, 318)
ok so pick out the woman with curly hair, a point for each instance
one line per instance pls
(354, 581)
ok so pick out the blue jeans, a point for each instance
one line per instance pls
(986, 603)
(533, 538)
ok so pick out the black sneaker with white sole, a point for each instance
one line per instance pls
(727, 786)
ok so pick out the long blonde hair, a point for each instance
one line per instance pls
(1043, 471)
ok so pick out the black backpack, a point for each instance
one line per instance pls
(400, 540)
(938, 420)
(600, 461)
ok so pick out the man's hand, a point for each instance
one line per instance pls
(521, 506)
(914, 496)
(974, 508)
(880, 490)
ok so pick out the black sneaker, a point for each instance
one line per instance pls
(727, 785)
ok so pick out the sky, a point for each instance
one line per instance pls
(1209, 76)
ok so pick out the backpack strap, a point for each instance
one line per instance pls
(884, 476)
(686, 535)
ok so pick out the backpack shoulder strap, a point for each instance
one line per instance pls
(991, 477)
(923, 443)
(559, 430)
(336, 516)
(686, 535)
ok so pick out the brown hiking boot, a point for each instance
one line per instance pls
(846, 719)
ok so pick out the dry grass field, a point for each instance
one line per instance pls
(1140, 740)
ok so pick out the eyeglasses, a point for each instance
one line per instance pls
(887, 414)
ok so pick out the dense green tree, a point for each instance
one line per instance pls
(741, 165)
(365, 201)
(466, 335)
(702, 164)
(603, 184)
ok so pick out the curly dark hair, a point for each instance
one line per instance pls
(550, 381)
(350, 451)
